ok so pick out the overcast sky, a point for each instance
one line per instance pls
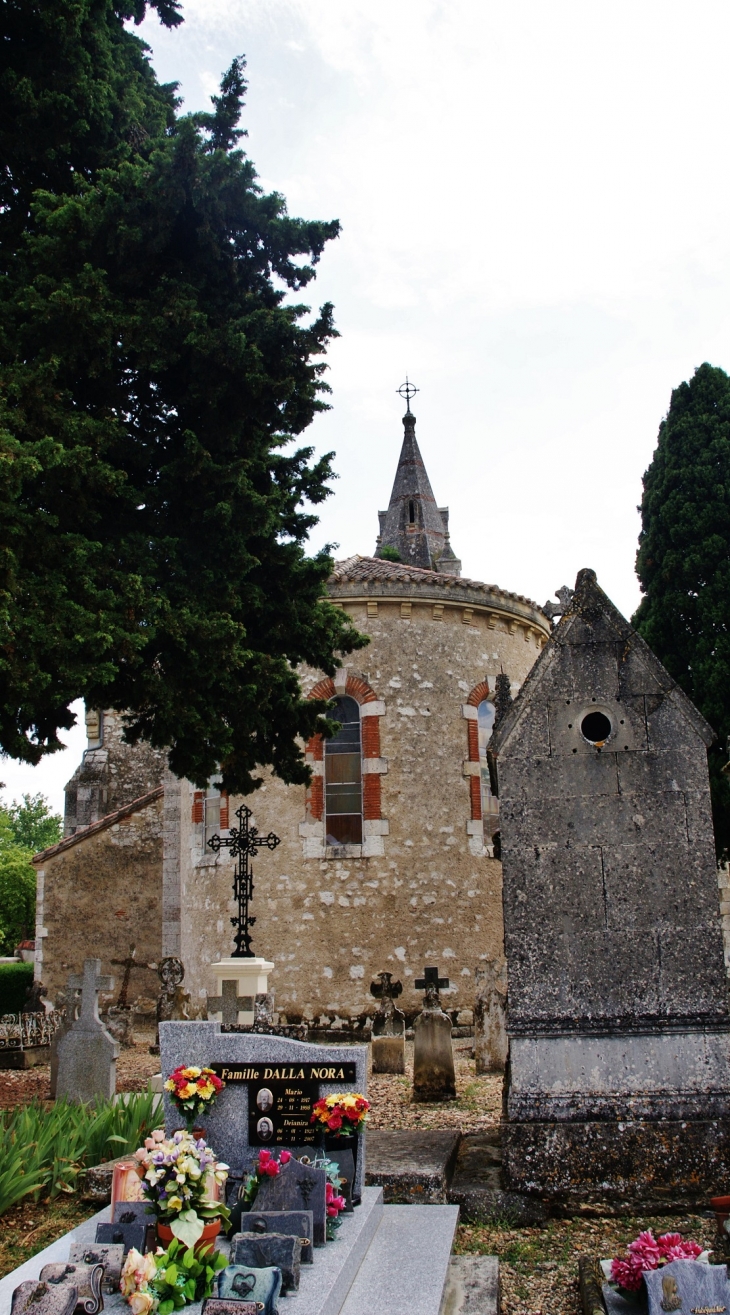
(535, 209)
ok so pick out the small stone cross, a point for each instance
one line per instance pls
(385, 988)
(229, 1002)
(431, 983)
(90, 983)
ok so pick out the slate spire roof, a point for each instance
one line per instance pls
(413, 524)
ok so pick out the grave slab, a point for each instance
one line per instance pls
(472, 1286)
(323, 1286)
(412, 1167)
(477, 1186)
(227, 1123)
(407, 1265)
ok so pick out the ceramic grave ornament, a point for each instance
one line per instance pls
(294, 1223)
(87, 1054)
(249, 1283)
(617, 1014)
(388, 1027)
(298, 1187)
(111, 1256)
(688, 1285)
(265, 1249)
(85, 1278)
(217, 1306)
(33, 1298)
(434, 1077)
(137, 1234)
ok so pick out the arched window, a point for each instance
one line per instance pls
(490, 805)
(343, 775)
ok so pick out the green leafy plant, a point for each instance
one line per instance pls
(15, 978)
(389, 554)
(45, 1150)
(170, 1279)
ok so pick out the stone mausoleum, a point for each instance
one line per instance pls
(389, 860)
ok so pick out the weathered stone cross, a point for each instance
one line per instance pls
(229, 1003)
(431, 983)
(128, 964)
(90, 983)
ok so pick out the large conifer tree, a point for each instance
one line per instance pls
(152, 375)
(683, 561)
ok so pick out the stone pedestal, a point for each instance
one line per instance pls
(433, 1057)
(252, 976)
(389, 1054)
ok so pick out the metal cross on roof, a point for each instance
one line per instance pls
(243, 841)
(408, 390)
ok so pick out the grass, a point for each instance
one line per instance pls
(30, 1226)
(45, 1149)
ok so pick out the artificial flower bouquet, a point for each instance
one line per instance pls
(168, 1280)
(266, 1167)
(646, 1253)
(193, 1090)
(341, 1115)
(179, 1176)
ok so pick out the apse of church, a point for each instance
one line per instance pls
(387, 860)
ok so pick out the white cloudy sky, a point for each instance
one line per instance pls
(535, 201)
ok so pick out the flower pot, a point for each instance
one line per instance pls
(210, 1233)
(721, 1207)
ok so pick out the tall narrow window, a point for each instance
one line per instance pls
(490, 805)
(412, 512)
(343, 776)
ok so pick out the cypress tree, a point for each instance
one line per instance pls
(683, 562)
(154, 369)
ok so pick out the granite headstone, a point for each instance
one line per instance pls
(87, 1054)
(299, 1186)
(34, 1298)
(85, 1278)
(138, 1234)
(295, 1223)
(266, 1249)
(111, 1256)
(688, 1285)
(246, 1283)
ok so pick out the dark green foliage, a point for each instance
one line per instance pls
(153, 373)
(15, 980)
(389, 554)
(24, 829)
(683, 561)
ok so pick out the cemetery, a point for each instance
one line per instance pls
(265, 1171)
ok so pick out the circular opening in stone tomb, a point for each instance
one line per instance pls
(596, 728)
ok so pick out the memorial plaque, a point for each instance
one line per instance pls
(33, 1298)
(97, 1253)
(249, 1283)
(266, 1249)
(298, 1187)
(139, 1235)
(688, 1286)
(281, 1098)
(217, 1306)
(296, 1223)
(133, 1212)
(85, 1278)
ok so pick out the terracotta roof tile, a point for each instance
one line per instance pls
(84, 832)
(378, 568)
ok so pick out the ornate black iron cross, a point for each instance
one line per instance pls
(243, 842)
(407, 391)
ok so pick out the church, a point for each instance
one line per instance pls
(389, 859)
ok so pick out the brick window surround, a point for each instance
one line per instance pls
(478, 694)
(362, 693)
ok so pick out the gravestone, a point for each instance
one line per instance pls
(85, 1278)
(33, 1298)
(434, 1077)
(67, 1002)
(111, 1256)
(388, 1027)
(490, 1022)
(248, 1284)
(271, 1081)
(618, 1022)
(294, 1223)
(219, 1306)
(687, 1285)
(136, 1233)
(299, 1186)
(173, 1003)
(87, 1054)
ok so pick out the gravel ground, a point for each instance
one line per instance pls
(539, 1266)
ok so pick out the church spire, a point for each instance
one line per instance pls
(413, 525)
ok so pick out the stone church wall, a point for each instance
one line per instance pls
(98, 896)
(423, 888)
(111, 773)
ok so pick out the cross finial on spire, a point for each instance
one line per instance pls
(408, 390)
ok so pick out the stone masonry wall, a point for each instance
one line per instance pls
(98, 897)
(423, 887)
(111, 773)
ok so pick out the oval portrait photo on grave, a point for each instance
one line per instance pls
(265, 1099)
(265, 1129)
